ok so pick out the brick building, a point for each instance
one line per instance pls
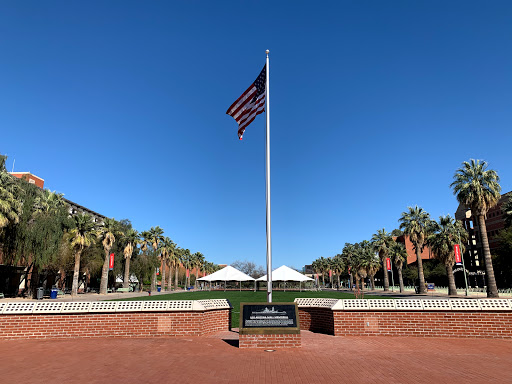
(494, 222)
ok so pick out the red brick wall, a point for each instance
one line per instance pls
(319, 320)
(131, 324)
(421, 324)
(270, 341)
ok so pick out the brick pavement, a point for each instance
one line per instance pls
(216, 359)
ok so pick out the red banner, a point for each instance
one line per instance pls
(458, 258)
(388, 264)
(188, 273)
(330, 273)
(111, 262)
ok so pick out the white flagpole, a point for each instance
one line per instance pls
(267, 159)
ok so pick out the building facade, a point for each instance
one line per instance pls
(473, 256)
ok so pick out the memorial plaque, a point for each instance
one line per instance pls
(269, 318)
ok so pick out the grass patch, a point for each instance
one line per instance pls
(237, 297)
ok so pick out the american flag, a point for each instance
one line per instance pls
(252, 102)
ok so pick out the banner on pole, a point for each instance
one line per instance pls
(388, 264)
(330, 273)
(157, 271)
(188, 273)
(111, 262)
(458, 258)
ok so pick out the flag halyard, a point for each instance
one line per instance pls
(250, 104)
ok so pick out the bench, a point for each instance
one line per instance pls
(123, 290)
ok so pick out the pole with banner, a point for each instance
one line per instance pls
(267, 158)
(111, 262)
(389, 268)
(458, 258)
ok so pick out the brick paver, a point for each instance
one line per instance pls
(216, 359)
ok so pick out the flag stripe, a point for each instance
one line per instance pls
(250, 104)
(240, 116)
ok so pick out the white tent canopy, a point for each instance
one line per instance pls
(133, 279)
(284, 273)
(227, 274)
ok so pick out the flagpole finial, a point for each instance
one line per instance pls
(267, 51)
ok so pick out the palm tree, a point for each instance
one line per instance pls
(369, 261)
(447, 234)
(347, 255)
(82, 236)
(107, 234)
(178, 261)
(166, 249)
(338, 266)
(187, 259)
(170, 248)
(398, 254)
(382, 242)
(132, 239)
(156, 236)
(478, 188)
(10, 206)
(324, 267)
(48, 202)
(198, 264)
(416, 224)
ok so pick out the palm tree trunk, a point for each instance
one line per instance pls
(76, 271)
(163, 275)
(153, 280)
(104, 275)
(323, 279)
(351, 278)
(400, 279)
(62, 279)
(421, 276)
(492, 289)
(372, 280)
(338, 276)
(452, 289)
(385, 273)
(126, 280)
(169, 282)
(176, 272)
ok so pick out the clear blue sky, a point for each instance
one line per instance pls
(120, 105)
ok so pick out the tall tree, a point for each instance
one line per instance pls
(186, 259)
(107, 234)
(131, 239)
(348, 255)
(416, 224)
(156, 236)
(398, 254)
(368, 261)
(178, 255)
(82, 236)
(447, 234)
(166, 249)
(338, 267)
(478, 188)
(10, 205)
(382, 242)
(198, 265)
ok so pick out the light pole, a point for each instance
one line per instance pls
(463, 264)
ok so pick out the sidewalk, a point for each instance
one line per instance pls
(216, 359)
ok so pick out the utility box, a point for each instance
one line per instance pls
(39, 293)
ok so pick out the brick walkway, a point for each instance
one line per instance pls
(216, 359)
